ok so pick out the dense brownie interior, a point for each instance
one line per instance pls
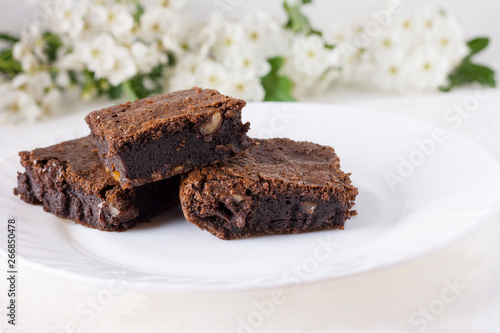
(277, 186)
(161, 136)
(69, 181)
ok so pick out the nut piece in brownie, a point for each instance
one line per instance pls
(160, 136)
(69, 180)
(278, 186)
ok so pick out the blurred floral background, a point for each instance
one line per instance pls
(128, 49)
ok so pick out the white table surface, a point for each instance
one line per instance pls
(387, 301)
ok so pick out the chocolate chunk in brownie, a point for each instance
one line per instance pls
(277, 186)
(69, 180)
(160, 136)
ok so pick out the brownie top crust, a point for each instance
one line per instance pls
(287, 161)
(151, 115)
(81, 163)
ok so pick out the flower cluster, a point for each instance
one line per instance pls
(233, 57)
(135, 48)
(229, 56)
(417, 52)
(96, 46)
(116, 40)
(312, 65)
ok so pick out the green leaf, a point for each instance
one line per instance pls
(297, 21)
(115, 92)
(477, 45)
(171, 60)
(52, 43)
(138, 13)
(128, 89)
(8, 65)
(276, 63)
(9, 69)
(468, 72)
(145, 85)
(9, 38)
(479, 73)
(277, 87)
(103, 86)
(73, 77)
(89, 86)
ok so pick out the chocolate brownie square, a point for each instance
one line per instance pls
(278, 186)
(69, 180)
(160, 136)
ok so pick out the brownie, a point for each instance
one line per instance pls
(160, 136)
(69, 180)
(278, 186)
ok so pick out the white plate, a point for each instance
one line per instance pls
(445, 198)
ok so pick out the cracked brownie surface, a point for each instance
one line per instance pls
(278, 186)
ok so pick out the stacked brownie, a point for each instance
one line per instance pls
(158, 137)
(69, 180)
(129, 170)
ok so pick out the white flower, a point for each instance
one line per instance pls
(210, 74)
(312, 78)
(23, 52)
(408, 26)
(50, 102)
(422, 70)
(390, 41)
(169, 4)
(98, 54)
(207, 35)
(73, 61)
(17, 106)
(183, 75)
(342, 37)
(448, 37)
(244, 60)
(155, 22)
(117, 19)
(391, 73)
(180, 81)
(263, 34)
(309, 55)
(190, 63)
(336, 33)
(68, 18)
(147, 57)
(229, 39)
(107, 60)
(348, 64)
(123, 67)
(33, 84)
(429, 70)
(243, 86)
(63, 79)
(178, 33)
